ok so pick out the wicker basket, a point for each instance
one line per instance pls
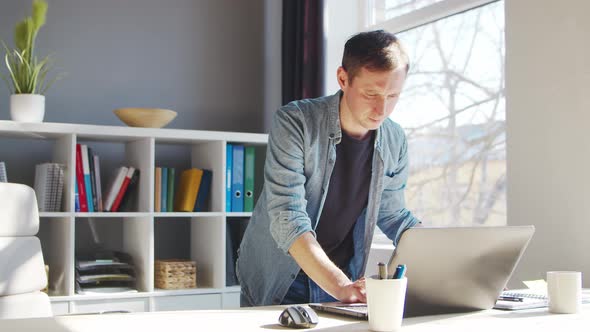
(175, 274)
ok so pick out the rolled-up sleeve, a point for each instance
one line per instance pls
(394, 218)
(285, 179)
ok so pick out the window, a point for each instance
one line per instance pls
(453, 111)
(383, 10)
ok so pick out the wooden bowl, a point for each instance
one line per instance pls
(145, 117)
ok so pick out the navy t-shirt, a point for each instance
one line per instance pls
(347, 196)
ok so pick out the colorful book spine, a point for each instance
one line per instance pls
(115, 186)
(203, 194)
(130, 199)
(87, 180)
(170, 194)
(98, 183)
(249, 165)
(164, 195)
(93, 179)
(76, 197)
(237, 203)
(228, 173)
(158, 190)
(123, 189)
(80, 179)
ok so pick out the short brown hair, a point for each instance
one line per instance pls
(374, 50)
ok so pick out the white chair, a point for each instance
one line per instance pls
(22, 271)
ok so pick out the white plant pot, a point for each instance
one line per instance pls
(27, 107)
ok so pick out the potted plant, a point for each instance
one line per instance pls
(27, 74)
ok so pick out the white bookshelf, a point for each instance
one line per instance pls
(144, 234)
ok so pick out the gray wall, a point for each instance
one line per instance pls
(201, 58)
(548, 130)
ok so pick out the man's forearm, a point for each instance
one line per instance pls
(310, 256)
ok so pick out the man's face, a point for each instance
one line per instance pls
(369, 99)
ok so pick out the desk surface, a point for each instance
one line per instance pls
(265, 319)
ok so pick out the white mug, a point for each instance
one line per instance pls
(385, 301)
(564, 289)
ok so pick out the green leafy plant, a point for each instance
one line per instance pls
(27, 74)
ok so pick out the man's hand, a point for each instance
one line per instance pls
(353, 292)
(308, 253)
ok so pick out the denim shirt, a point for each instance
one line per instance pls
(300, 158)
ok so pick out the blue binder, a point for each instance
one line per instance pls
(164, 190)
(228, 174)
(237, 203)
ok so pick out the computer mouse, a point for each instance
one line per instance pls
(298, 317)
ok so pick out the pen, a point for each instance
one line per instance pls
(510, 298)
(399, 271)
(382, 270)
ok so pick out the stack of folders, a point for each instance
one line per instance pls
(49, 183)
(105, 272)
(240, 170)
(3, 176)
(192, 194)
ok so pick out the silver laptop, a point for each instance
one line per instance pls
(451, 269)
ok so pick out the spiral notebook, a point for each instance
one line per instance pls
(528, 299)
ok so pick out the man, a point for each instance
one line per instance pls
(335, 167)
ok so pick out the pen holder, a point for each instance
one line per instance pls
(385, 301)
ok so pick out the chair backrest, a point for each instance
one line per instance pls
(22, 271)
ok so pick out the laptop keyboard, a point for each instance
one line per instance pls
(356, 307)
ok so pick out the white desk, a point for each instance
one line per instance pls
(264, 319)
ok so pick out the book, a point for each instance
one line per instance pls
(113, 190)
(237, 185)
(42, 187)
(129, 202)
(3, 176)
(170, 190)
(520, 299)
(158, 189)
(92, 179)
(80, 179)
(249, 166)
(87, 180)
(188, 187)
(203, 193)
(52, 179)
(164, 189)
(229, 152)
(123, 190)
(76, 197)
(59, 172)
(97, 182)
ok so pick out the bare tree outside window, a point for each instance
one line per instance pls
(453, 112)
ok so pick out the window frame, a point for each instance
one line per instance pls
(422, 16)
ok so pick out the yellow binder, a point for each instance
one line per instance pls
(186, 195)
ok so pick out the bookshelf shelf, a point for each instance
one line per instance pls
(55, 214)
(111, 214)
(144, 234)
(238, 214)
(187, 214)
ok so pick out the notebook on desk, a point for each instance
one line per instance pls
(520, 299)
(451, 269)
